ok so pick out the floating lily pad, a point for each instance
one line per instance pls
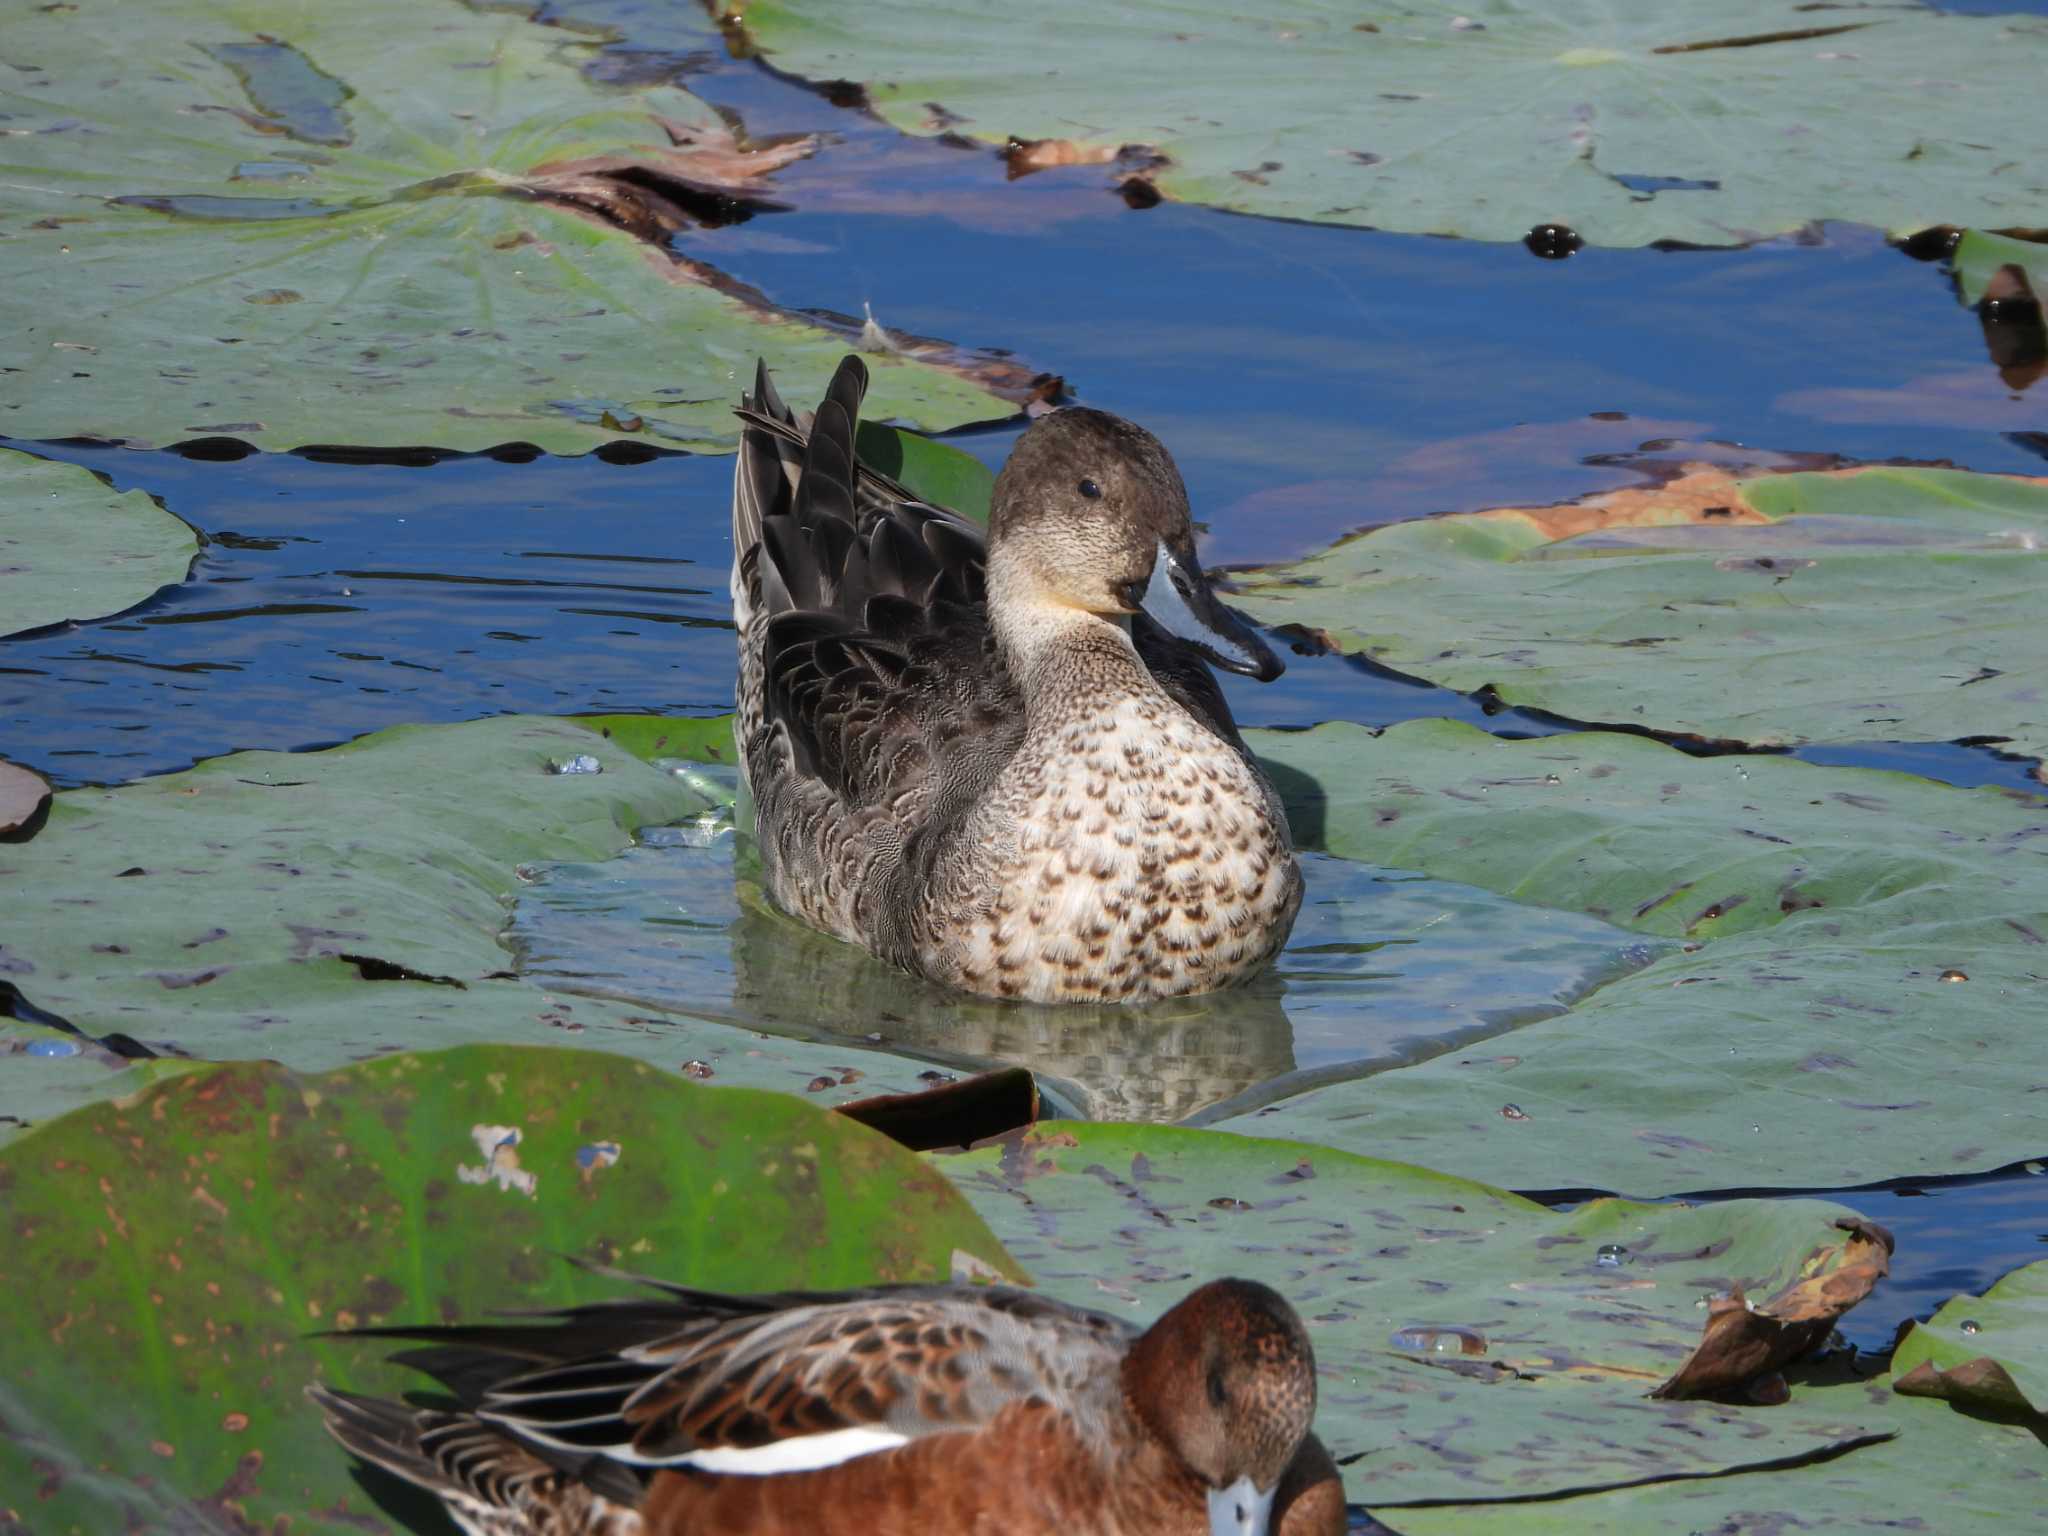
(378, 224)
(174, 1255)
(1630, 124)
(1861, 1003)
(1861, 605)
(1941, 1471)
(72, 549)
(317, 907)
(1987, 1353)
(1470, 1344)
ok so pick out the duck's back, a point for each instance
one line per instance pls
(875, 708)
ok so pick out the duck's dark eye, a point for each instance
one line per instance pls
(1091, 490)
(1217, 1392)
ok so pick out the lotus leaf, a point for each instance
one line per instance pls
(1855, 999)
(1708, 124)
(1853, 606)
(277, 222)
(175, 1255)
(1471, 1344)
(1940, 1471)
(71, 549)
(1988, 1353)
(317, 907)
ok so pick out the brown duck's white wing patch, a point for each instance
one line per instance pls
(809, 1386)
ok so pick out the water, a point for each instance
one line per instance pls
(1384, 968)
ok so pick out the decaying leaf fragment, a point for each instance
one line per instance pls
(1742, 1341)
(1981, 1384)
(709, 177)
(23, 795)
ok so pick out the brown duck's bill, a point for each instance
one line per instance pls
(1180, 600)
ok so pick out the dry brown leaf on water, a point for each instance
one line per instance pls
(1023, 156)
(1702, 493)
(1743, 1341)
(712, 153)
(710, 177)
(23, 796)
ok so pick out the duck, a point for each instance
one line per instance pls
(894, 1410)
(1000, 761)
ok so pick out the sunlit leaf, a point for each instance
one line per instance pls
(1705, 124)
(1856, 999)
(381, 223)
(319, 907)
(1863, 605)
(72, 549)
(1987, 1353)
(1941, 1471)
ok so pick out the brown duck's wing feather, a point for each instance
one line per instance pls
(911, 1360)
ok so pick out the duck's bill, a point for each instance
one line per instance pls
(1180, 600)
(1240, 1509)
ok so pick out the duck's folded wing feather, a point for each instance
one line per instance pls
(844, 1374)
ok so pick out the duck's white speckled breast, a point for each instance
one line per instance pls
(1130, 854)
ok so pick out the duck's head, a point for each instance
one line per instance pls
(1227, 1379)
(1091, 511)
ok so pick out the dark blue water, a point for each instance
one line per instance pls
(1310, 380)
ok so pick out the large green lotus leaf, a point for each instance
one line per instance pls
(1706, 123)
(318, 907)
(1860, 1001)
(1987, 1352)
(72, 549)
(358, 224)
(171, 1255)
(1942, 1471)
(1128, 1217)
(1881, 604)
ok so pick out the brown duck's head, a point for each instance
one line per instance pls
(1227, 1380)
(1092, 510)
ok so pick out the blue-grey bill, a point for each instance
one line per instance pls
(1240, 1509)
(1179, 599)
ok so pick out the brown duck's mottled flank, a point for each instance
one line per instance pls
(989, 1410)
(1002, 763)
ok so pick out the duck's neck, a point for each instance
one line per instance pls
(1057, 651)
